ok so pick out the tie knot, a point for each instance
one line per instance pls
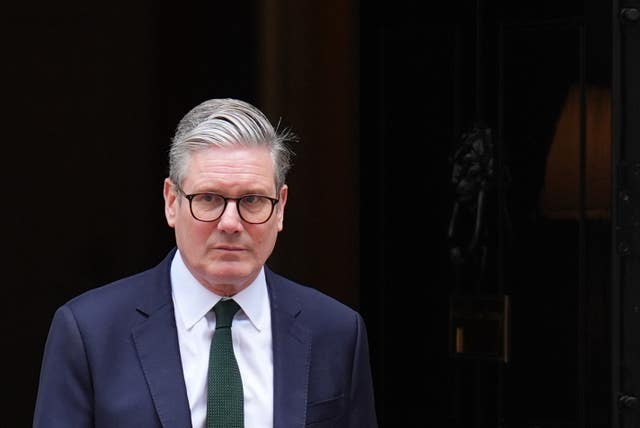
(225, 310)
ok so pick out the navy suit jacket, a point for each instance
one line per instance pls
(112, 359)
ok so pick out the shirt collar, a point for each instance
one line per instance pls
(193, 301)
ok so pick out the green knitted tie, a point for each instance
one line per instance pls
(225, 407)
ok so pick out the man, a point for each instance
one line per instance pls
(136, 353)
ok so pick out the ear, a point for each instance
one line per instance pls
(170, 202)
(284, 191)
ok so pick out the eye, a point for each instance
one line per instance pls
(208, 199)
(252, 200)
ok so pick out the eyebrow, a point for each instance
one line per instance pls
(244, 193)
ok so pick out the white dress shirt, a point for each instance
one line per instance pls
(252, 343)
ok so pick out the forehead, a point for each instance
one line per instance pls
(229, 165)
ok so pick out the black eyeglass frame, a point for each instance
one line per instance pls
(226, 200)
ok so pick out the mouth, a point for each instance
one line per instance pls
(230, 248)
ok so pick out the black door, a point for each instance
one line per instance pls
(543, 227)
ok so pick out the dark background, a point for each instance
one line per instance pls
(379, 94)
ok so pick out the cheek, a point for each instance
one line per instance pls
(189, 230)
(192, 239)
(190, 225)
(268, 239)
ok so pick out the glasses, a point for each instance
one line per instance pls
(254, 209)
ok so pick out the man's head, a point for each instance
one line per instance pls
(226, 149)
(223, 123)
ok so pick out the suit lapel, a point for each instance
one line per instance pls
(160, 360)
(156, 341)
(291, 357)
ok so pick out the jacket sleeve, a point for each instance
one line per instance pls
(362, 411)
(65, 390)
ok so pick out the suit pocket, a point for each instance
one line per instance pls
(325, 411)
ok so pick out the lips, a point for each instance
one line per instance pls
(228, 248)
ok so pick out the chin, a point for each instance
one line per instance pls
(228, 272)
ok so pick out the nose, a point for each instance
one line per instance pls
(230, 220)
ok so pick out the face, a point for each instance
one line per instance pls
(225, 255)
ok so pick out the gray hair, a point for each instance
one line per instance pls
(223, 123)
